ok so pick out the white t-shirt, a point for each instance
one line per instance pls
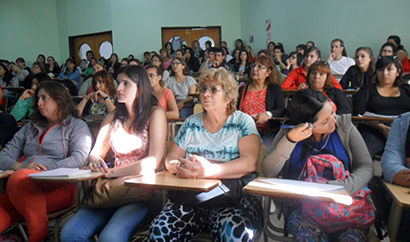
(180, 90)
(339, 67)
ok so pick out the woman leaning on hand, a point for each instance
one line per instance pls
(136, 132)
(320, 132)
(219, 143)
(54, 138)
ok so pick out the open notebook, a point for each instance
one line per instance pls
(60, 172)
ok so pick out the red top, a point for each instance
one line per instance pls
(298, 76)
(254, 103)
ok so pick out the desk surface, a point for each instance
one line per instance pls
(399, 193)
(371, 119)
(165, 180)
(78, 178)
(265, 189)
(3, 176)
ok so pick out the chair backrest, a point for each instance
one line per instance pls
(262, 155)
(198, 108)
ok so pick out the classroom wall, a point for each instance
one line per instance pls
(28, 28)
(357, 23)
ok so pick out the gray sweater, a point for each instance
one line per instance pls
(63, 145)
(361, 165)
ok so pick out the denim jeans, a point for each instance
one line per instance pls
(113, 224)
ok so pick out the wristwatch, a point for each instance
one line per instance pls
(270, 116)
(106, 97)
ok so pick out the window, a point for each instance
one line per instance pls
(177, 42)
(83, 50)
(105, 49)
(204, 39)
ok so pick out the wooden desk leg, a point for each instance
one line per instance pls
(394, 221)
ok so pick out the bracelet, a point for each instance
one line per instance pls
(106, 97)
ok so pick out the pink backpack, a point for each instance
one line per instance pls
(333, 216)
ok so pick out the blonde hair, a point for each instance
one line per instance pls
(229, 86)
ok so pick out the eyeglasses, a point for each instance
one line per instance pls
(155, 61)
(152, 75)
(213, 89)
(260, 67)
(175, 64)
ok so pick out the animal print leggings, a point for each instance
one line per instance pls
(183, 222)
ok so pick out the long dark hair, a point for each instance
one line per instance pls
(371, 72)
(59, 94)
(143, 102)
(385, 61)
(7, 75)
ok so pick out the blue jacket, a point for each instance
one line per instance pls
(394, 156)
(63, 145)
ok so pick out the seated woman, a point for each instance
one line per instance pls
(295, 60)
(198, 52)
(209, 135)
(7, 79)
(361, 74)
(53, 66)
(388, 49)
(54, 138)
(243, 66)
(71, 72)
(37, 67)
(181, 85)
(319, 78)
(297, 78)
(87, 84)
(165, 58)
(191, 60)
(401, 52)
(101, 101)
(20, 74)
(319, 131)
(90, 71)
(156, 60)
(252, 54)
(166, 99)
(389, 97)
(136, 132)
(263, 98)
(24, 105)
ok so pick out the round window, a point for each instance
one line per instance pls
(203, 40)
(105, 49)
(83, 50)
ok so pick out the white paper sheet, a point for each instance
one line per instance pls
(295, 184)
(60, 172)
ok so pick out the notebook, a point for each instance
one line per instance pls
(60, 172)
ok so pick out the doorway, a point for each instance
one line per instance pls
(187, 36)
(99, 43)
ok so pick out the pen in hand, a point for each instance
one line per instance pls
(292, 126)
(109, 163)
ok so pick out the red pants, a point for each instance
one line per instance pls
(32, 200)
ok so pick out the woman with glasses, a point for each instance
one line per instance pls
(263, 98)
(361, 74)
(294, 61)
(388, 49)
(297, 78)
(156, 60)
(401, 52)
(166, 98)
(219, 143)
(181, 85)
(389, 96)
(319, 78)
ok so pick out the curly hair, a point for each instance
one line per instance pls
(229, 86)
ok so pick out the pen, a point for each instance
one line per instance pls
(109, 163)
(292, 126)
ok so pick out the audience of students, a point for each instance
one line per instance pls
(156, 60)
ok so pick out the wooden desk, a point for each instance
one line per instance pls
(172, 127)
(266, 190)
(401, 199)
(165, 180)
(358, 119)
(74, 179)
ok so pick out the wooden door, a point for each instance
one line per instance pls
(93, 40)
(190, 34)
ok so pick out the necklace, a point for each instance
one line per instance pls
(327, 141)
